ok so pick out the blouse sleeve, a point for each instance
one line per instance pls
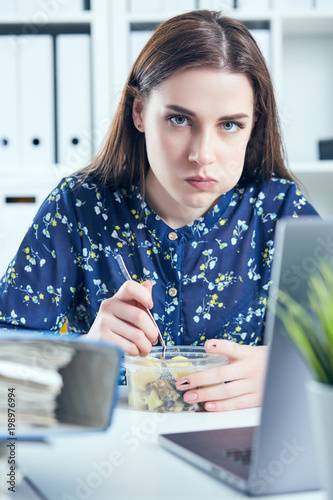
(40, 283)
(293, 203)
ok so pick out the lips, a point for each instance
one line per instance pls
(201, 183)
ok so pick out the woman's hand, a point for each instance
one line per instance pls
(122, 319)
(244, 373)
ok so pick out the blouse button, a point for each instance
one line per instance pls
(172, 292)
(172, 236)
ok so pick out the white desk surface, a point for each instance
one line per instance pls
(127, 463)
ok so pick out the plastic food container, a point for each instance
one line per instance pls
(152, 381)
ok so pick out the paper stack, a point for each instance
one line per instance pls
(30, 382)
(51, 384)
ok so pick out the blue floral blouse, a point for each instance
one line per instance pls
(211, 277)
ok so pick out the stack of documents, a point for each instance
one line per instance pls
(54, 384)
(30, 382)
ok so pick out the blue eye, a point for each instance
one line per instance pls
(229, 126)
(179, 120)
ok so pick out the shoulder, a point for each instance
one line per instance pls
(84, 189)
(269, 188)
(280, 196)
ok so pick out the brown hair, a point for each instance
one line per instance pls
(195, 39)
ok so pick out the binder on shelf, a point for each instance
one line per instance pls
(56, 384)
(144, 6)
(30, 8)
(177, 6)
(161, 6)
(8, 102)
(71, 6)
(289, 5)
(43, 11)
(8, 6)
(36, 91)
(253, 4)
(223, 5)
(74, 134)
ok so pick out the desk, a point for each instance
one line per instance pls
(114, 465)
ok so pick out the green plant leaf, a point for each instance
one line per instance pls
(305, 330)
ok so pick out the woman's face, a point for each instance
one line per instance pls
(197, 124)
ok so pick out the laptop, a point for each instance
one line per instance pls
(278, 456)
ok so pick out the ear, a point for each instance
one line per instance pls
(137, 114)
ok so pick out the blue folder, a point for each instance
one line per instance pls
(90, 380)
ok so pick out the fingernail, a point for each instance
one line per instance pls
(210, 406)
(156, 341)
(210, 346)
(182, 382)
(189, 397)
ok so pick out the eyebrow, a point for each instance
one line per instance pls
(180, 109)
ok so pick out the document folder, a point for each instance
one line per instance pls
(44, 11)
(89, 373)
(36, 98)
(8, 102)
(74, 134)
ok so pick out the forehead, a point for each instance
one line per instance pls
(201, 87)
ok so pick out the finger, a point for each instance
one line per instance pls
(124, 344)
(148, 285)
(130, 315)
(250, 400)
(218, 392)
(133, 291)
(137, 317)
(134, 339)
(101, 330)
(211, 376)
(229, 348)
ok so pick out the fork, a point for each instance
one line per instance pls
(127, 277)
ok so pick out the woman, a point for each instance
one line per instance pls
(188, 188)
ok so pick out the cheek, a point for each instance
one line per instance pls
(233, 162)
(154, 145)
(237, 156)
(162, 153)
(236, 151)
(156, 137)
(169, 147)
(239, 148)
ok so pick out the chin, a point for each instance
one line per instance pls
(205, 205)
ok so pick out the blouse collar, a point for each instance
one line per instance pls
(194, 230)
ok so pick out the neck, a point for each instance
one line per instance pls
(172, 213)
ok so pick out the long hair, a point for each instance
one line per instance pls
(197, 39)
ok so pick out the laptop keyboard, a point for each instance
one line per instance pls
(239, 455)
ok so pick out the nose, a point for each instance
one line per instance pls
(202, 149)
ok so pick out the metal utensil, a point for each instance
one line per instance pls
(127, 277)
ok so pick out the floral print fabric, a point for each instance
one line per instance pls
(211, 277)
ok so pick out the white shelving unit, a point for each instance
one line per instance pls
(30, 187)
(301, 56)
